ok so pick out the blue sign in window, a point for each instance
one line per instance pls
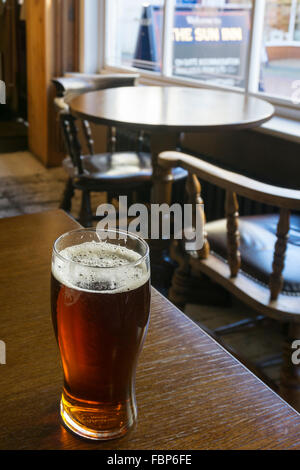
(207, 43)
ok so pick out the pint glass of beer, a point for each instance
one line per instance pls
(100, 290)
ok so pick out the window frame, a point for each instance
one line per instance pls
(284, 107)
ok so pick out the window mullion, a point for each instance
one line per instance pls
(102, 20)
(292, 21)
(112, 43)
(89, 33)
(167, 38)
(255, 46)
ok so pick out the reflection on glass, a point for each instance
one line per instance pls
(135, 33)
(280, 61)
(210, 41)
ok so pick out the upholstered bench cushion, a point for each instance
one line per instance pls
(126, 167)
(257, 242)
(113, 166)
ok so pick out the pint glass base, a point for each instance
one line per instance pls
(95, 423)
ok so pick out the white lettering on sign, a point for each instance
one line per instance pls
(232, 34)
(207, 34)
(183, 34)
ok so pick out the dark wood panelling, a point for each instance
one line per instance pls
(268, 158)
(52, 49)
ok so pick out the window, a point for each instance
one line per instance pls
(280, 60)
(210, 42)
(246, 45)
(135, 34)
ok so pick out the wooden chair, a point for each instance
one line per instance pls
(117, 173)
(254, 258)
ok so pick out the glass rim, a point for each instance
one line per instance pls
(95, 230)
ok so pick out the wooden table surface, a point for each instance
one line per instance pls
(167, 111)
(191, 394)
(172, 109)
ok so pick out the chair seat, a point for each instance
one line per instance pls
(117, 167)
(257, 241)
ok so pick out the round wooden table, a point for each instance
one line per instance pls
(166, 112)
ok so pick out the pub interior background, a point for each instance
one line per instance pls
(249, 47)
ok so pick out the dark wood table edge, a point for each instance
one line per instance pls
(169, 129)
(161, 128)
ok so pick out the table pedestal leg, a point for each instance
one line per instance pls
(161, 180)
(162, 267)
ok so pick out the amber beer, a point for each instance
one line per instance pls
(100, 311)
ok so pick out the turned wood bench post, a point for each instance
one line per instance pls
(88, 136)
(112, 139)
(233, 235)
(276, 278)
(193, 189)
(70, 133)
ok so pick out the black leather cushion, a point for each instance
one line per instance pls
(258, 238)
(118, 166)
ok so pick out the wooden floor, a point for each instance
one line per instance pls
(255, 345)
(18, 164)
(26, 186)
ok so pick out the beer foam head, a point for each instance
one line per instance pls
(100, 267)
